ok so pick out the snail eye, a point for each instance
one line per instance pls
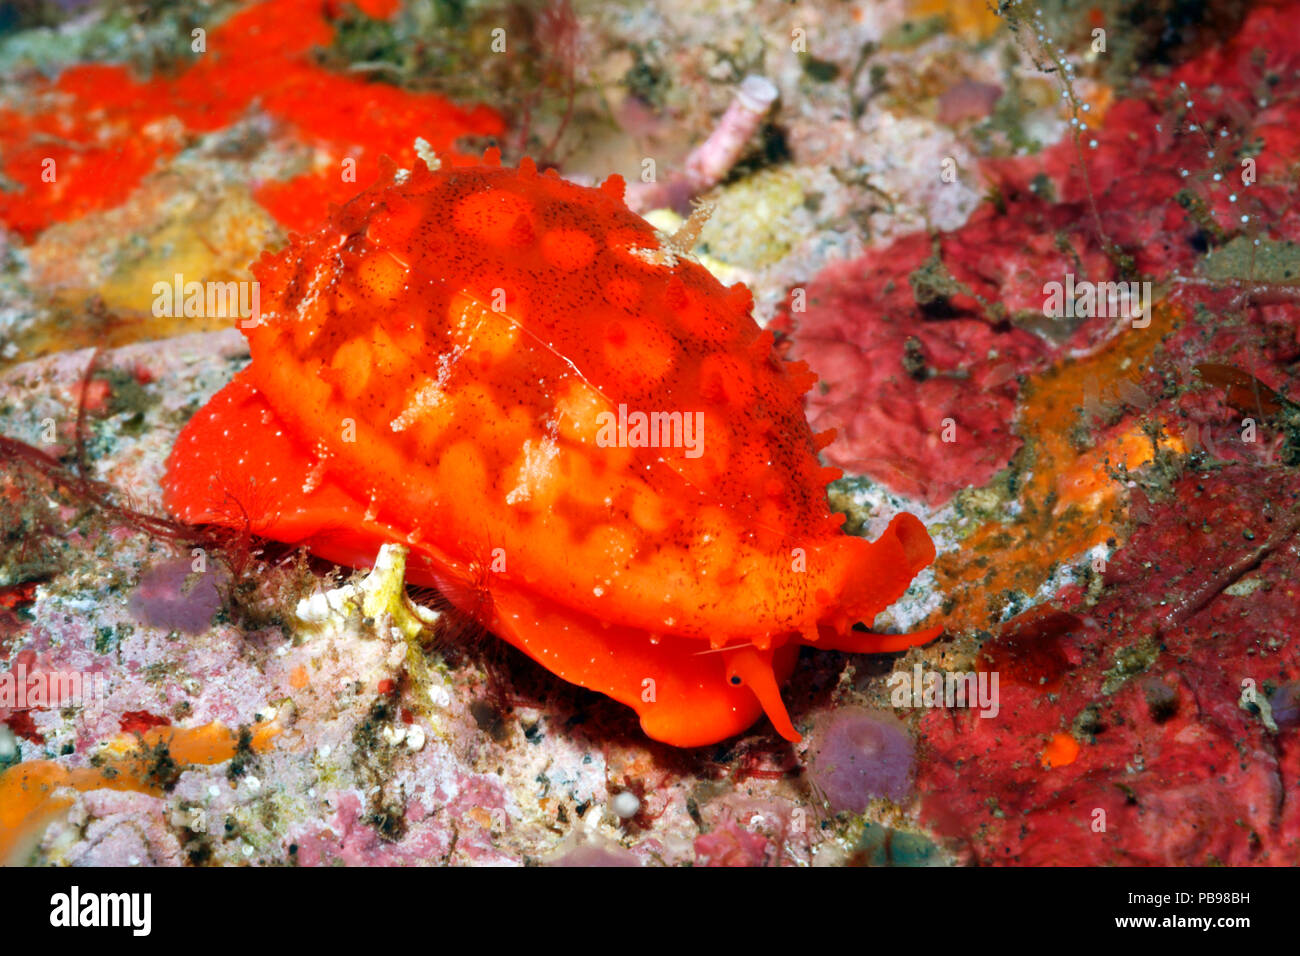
(735, 680)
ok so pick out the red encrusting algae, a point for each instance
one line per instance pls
(103, 128)
(1131, 734)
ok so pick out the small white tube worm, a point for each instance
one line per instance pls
(709, 163)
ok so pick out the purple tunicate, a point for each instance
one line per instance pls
(1285, 705)
(856, 755)
(173, 597)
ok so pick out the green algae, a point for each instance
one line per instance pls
(1255, 260)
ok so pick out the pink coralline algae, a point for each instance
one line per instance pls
(350, 842)
(730, 844)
